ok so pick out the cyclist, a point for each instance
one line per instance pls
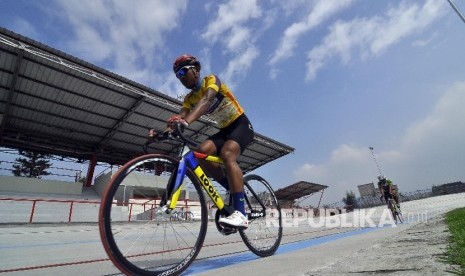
(387, 190)
(210, 96)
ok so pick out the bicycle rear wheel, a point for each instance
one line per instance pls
(265, 231)
(400, 218)
(137, 232)
(394, 213)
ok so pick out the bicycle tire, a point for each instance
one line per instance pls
(174, 216)
(143, 240)
(400, 218)
(399, 215)
(393, 210)
(264, 234)
(189, 216)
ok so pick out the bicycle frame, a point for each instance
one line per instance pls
(189, 160)
(395, 211)
(391, 205)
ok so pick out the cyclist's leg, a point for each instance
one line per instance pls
(229, 153)
(213, 169)
(396, 199)
(386, 197)
(239, 134)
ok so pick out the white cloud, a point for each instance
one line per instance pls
(424, 42)
(435, 146)
(343, 172)
(129, 38)
(236, 66)
(25, 28)
(431, 151)
(230, 29)
(231, 18)
(321, 11)
(373, 36)
(238, 38)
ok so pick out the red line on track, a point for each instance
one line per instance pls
(51, 265)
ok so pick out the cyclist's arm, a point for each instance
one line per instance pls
(202, 106)
(381, 190)
(184, 112)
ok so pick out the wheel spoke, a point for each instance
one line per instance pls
(264, 233)
(138, 234)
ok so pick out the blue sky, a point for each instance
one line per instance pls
(327, 77)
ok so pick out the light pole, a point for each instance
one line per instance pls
(456, 9)
(374, 158)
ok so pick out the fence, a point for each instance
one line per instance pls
(27, 210)
(368, 201)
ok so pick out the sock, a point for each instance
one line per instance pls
(224, 182)
(239, 202)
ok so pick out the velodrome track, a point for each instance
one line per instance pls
(349, 244)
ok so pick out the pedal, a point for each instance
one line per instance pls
(228, 230)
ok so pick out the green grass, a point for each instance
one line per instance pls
(455, 255)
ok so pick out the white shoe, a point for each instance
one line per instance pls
(236, 219)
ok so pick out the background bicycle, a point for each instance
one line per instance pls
(181, 215)
(395, 210)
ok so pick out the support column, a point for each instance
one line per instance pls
(321, 196)
(90, 170)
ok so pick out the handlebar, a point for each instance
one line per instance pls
(177, 135)
(180, 132)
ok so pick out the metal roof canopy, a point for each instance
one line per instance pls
(298, 190)
(55, 103)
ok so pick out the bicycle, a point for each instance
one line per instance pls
(395, 210)
(150, 243)
(181, 215)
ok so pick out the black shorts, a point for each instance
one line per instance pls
(240, 130)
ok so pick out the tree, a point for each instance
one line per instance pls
(350, 200)
(33, 164)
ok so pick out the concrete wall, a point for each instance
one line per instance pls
(131, 180)
(49, 201)
(38, 186)
(101, 182)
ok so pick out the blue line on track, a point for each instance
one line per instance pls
(219, 262)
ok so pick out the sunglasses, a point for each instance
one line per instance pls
(183, 71)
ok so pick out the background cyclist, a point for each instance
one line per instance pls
(210, 96)
(387, 189)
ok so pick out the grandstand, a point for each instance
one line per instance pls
(54, 103)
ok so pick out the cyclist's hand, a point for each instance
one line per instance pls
(152, 133)
(152, 136)
(175, 119)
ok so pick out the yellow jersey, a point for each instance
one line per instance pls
(224, 109)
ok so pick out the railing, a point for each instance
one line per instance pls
(28, 210)
(15, 212)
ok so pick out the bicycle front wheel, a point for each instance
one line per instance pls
(137, 232)
(265, 230)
